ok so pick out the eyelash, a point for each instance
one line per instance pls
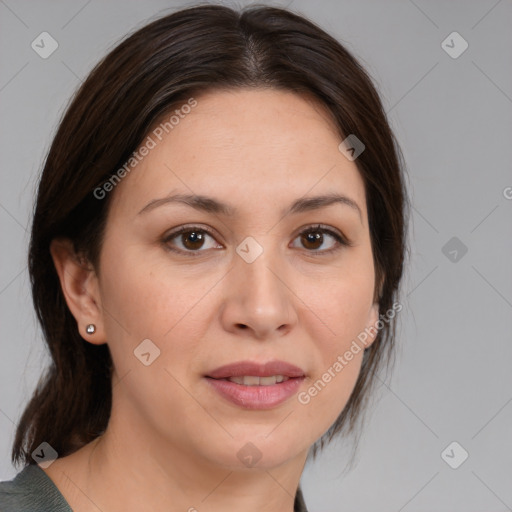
(342, 241)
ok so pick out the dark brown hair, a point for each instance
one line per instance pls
(152, 71)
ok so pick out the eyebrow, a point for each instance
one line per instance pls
(211, 205)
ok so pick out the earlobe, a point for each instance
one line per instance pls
(79, 286)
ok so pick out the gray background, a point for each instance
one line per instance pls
(453, 117)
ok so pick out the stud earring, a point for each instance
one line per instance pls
(90, 329)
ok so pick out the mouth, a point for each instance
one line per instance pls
(256, 386)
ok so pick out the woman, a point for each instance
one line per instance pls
(215, 260)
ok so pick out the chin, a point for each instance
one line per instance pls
(265, 448)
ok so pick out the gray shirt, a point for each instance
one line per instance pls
(31, 490)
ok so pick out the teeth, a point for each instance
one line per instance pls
(250, 380)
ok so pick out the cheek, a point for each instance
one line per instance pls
(341, 310)
(142, 302)
(146, 295)
(341, 314)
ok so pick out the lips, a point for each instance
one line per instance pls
(256, 386)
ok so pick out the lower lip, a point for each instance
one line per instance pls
(256, 397)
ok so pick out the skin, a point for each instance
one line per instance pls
(172, 441)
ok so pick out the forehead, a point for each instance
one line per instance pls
(247, 148)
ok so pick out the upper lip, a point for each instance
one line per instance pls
(246, 368)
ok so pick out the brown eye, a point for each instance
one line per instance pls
(192, 240)
(189, 240)
(313, 239)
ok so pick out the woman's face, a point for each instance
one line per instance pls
(245, 286)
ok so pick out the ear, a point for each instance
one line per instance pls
(371, 329)
(79, 285)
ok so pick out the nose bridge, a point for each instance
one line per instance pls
(257, 268)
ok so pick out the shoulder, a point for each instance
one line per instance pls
(31, 490)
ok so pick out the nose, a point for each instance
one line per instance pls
(259, 301)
